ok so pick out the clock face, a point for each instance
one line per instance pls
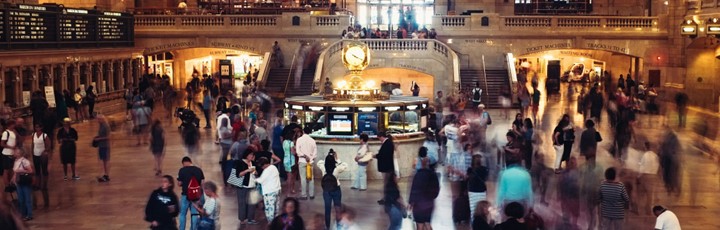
(355, 56)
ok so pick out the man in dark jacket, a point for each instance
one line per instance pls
(385, 156)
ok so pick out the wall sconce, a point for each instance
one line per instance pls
(689, 28)
(713, 27)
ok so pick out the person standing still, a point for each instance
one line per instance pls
(22, 169)
(186, 173)
(67, 136)
(361, 175)
(306, 151)
(476, 95)
(103, 145)
(9, 145)
(90, 100)
(613, 201)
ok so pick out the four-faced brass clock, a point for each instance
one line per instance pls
(356, 55)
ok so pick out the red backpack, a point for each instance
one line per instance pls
(193, 192)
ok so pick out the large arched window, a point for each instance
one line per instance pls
(381, 13)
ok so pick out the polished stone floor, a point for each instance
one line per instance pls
(119, 204)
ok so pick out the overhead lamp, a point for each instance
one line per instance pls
(689, 28)
(713, 27)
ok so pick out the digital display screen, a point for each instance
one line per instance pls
(340, 124)
(31, 25)
(368, 123)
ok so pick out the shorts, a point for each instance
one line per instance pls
(141, 128)
(67, 154)
(104, 153)
(7, 162)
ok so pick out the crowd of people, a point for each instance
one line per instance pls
(255, 160)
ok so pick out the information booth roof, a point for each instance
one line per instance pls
(392, 101)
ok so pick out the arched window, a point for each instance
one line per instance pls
(381, 13)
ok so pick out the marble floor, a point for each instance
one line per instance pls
(119, 204)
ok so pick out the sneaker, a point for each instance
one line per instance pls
(76, 178)
(312, 197)
(353, 188)
(65, 178)
(103, 179)
(252, 222)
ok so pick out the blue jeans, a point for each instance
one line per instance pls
(194, 214)
(334, 199)
(396, 217)
(361, 177)
(25, 199)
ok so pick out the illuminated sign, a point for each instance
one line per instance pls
(76, 11)
(297, 107)
(27, 7)
(367, 109)
(341, 109)
(116, 14)
(392, 108)
(315, 108)
(412, 107)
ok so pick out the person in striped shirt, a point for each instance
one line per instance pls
(613, 201)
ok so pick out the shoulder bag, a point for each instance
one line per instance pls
(24, 178)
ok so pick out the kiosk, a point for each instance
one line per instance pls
(355, 107)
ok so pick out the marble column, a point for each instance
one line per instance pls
(2, 83)
(99, 71)
(110, 80)
(121, 75)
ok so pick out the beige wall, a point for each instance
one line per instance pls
(701, 63)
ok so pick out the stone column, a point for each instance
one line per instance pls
(121, 75)
(36, 79)
(19, 80)
(110, 82)
(88, 76)
(100, 72)
(2, 83)
(50, 77)
(76, 76)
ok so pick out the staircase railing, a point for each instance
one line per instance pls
(487, 90)
(290, 73)
(264, 70)
(512, 75)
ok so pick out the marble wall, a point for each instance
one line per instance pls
(405, 154)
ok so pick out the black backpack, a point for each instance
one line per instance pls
(476, 94)
(329, 183)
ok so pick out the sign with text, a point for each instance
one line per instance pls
(50, 96)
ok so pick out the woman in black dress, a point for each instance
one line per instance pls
(157, 145)
(425, 188)
(67, 136)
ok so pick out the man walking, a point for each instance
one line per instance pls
(185, 175)
(103, 144)
(613, 200)
(307, 152)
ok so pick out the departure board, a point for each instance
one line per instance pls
(111, 26)
(53, 26)
(76, 25)
(31, 23)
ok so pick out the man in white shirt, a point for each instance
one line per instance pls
(223, 115)
(648, 169)
(9, 144)
(666, 220)
(306, 150)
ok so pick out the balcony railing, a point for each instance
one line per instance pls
(502, 23)
(228, 23)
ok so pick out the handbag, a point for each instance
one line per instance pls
(308, 171)
(95, 142)
(206, 223)
(24, 178)
(234, 180)
(254, 196)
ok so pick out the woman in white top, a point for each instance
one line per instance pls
(270, 182)
(22, 177)
(211, 207)
(42, 148)
(361, 175)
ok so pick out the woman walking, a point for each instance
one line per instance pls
(42, 148)
(22, 177)
(162, 206)
(157, 145)
(361, 175)
(394, 206)
(289, 160)
(290, 218)
(246, 170)
(477, 189)
(559, 142)
(331, 167)
(425, 188)
(270, 182)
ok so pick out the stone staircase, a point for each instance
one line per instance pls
(277, 79)
(496, 80)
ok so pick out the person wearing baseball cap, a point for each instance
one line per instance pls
(67, 136)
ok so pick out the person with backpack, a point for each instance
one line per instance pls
(190, 178)
(331, 167)
(162, 206)
(476, 95)
(269, 180)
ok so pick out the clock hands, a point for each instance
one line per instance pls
(355, 56)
